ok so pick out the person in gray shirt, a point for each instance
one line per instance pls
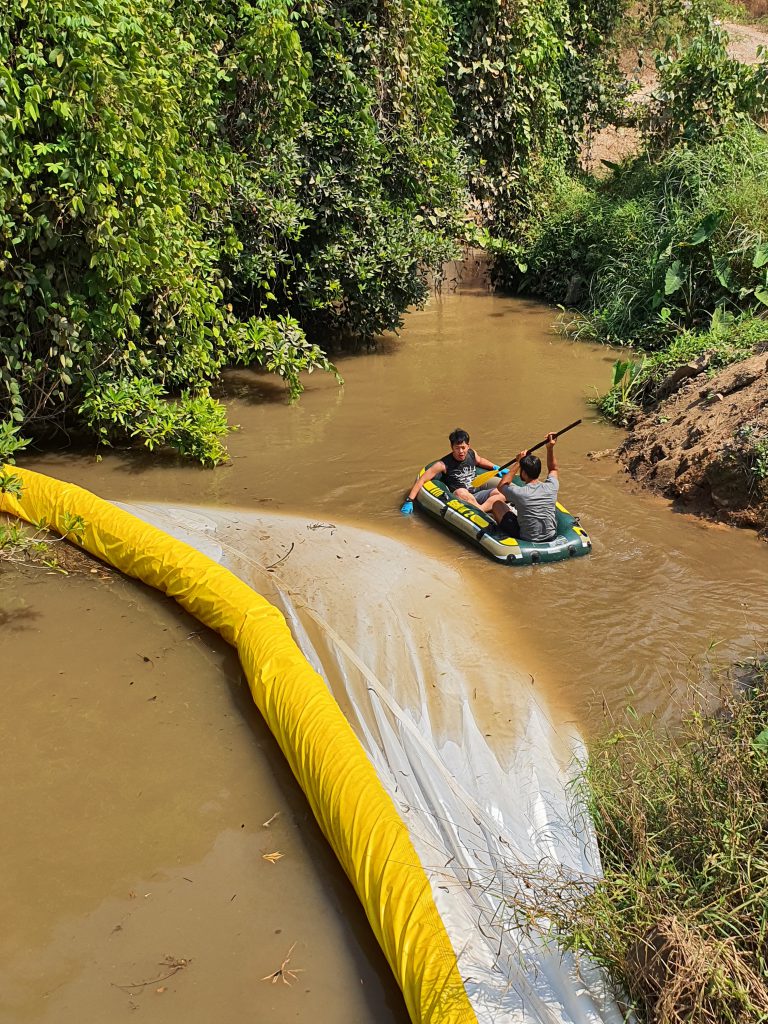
(534, 503)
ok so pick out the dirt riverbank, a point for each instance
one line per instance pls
(617, 142)
(706, 446)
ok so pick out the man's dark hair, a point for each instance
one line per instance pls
(458, 436)
(531, 466)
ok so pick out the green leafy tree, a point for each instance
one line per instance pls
(379, 170)
(528, 80)
(702, 89)
(191, 186)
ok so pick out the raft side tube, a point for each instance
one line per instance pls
(572, 540)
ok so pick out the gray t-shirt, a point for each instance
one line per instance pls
(535, 506)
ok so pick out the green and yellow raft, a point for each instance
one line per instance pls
(571, 541)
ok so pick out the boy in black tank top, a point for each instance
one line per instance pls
(458, 469)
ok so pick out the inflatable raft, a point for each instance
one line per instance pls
(571, 541)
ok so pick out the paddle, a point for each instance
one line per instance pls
(484, 477)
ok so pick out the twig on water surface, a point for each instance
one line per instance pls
(173, 966)
(283, 973)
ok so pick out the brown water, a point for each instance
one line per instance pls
(621, 626)
(137, 781)
(630, 624)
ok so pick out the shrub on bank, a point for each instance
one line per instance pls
(679, 918)
(659, 247)
(189, 186)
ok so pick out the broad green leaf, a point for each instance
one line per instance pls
(723, 270)
(706, 228)
(620, 368)
(674, 279)
(761, 255)
(721, 319)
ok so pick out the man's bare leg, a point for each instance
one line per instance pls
(490, 501)
(498, 508)
(464, 495)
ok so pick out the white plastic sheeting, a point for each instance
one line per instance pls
(470, 755)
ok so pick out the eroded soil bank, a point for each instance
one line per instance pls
(706, 446)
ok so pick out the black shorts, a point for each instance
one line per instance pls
(510, 524)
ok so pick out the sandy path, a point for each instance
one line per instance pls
(617, 142)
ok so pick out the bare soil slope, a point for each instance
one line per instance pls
(691, 448)
(615, 143)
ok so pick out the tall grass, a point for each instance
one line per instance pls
(656, 249)
(680, 918)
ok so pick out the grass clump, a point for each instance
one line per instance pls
(680, 918)
(37, 545)
(744, 464)
(659, 247)
(637, 384)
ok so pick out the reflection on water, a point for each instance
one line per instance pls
(659, 589)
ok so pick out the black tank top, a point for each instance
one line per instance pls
(459, 474)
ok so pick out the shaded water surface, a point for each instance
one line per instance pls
(141, 794)
(660, 593)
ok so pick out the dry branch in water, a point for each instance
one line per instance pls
(170, 964)
(274, 564)
(283, 973)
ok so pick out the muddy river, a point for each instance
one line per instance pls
(146, 797)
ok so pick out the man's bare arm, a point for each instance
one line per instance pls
(437, 467)
(513, 468)
(552, 467)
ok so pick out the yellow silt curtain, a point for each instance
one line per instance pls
(350, 803)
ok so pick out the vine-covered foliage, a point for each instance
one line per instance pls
(193, 185)
(380, 176)
(528, 80)
(673, 241)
